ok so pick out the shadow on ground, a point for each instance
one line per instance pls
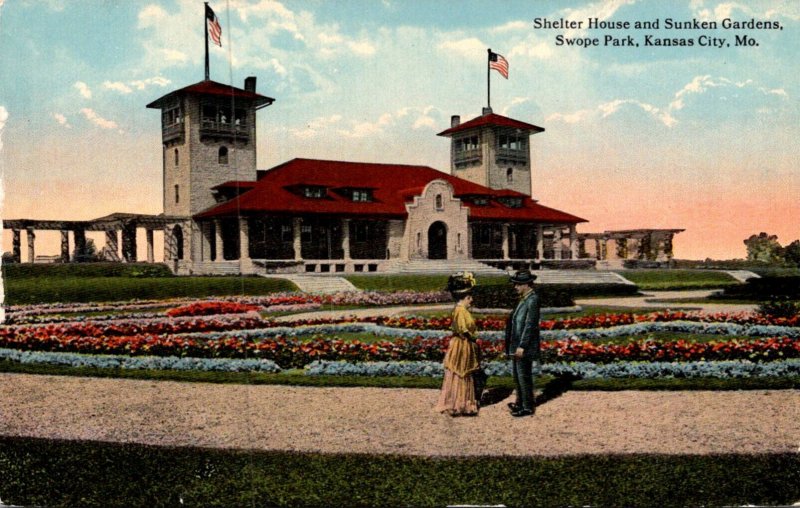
(552, 390)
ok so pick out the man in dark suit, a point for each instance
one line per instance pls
(522, 342)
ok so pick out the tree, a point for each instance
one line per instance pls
(791, 253)
(89, 253)
(764, 248)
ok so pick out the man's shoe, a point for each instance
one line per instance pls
(522, 412)
(513, 406)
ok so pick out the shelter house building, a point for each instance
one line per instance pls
(221, 215)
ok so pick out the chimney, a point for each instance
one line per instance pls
(250, 84)
(455, 121)
(486, 111)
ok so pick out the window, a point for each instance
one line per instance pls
(223, 155)
(511, 202)
(467, 150)
(287, 234)
(361, 232)
(171, 116)
(480, 201)
(314, 192)
(362, 195)
(510, 175)
(177, 193)
(176, 156)
(467, 143)
(305, 233)
(439, 203)
(510, 142)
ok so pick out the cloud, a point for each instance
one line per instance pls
(3, 119)
(62, 120)
(724, 10)
(137, 84)
(151, 15)
(84, 89)
(576, 117)
(316, 126)
(98, 120)
(468, 48)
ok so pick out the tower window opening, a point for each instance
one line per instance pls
(177, 193)
(176, 156)
(223, 155)
(510, 175)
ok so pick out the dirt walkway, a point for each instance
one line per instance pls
(394, 421)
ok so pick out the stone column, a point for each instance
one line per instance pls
(557, 243)
(244, 239)
(505, 242)
(129, 244)
(539, 242)
(64, 246)
(110, 251)
(346, 239)
(79, 235)
(15, 243)
(573, 244)
(31, 242)
(297, 223)
(219, 245)
(150, 254)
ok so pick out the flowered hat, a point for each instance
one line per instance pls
(461, 282)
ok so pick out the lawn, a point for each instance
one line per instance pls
(678, 279)
(397, 282)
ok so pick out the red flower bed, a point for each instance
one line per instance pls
(211, 308)
(292, 352)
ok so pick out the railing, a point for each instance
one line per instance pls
(224, 128)
(508, 154)
(465, 156)
(169, 132)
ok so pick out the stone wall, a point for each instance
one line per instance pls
(423, 212)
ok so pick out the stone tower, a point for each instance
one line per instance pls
(208, 136)
(492, 150)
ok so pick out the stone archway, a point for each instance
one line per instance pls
(437, 240)
(177, 235)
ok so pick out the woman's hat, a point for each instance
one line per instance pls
(460, 282)
(523, 277)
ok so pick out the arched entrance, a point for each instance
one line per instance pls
(177, 235)
(437, 241)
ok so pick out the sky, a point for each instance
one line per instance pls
(702, 138)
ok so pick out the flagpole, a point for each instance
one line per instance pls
(488, 80)
(205, 29)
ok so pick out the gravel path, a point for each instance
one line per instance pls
(394, 421)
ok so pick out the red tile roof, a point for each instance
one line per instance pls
(492, 120)
(277, 192)
(218, 89)
(235, 184)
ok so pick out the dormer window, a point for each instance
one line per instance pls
(313, 191)
(480, 201)
(511, 202)
(361, 195)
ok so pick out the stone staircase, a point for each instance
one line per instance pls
(319, 284)
(443, 266)
(579, 277)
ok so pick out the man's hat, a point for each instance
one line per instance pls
(522, 277)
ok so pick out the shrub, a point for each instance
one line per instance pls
(766, 288)
(779, 307)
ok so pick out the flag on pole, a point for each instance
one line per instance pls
(214, 28)
(498, 63)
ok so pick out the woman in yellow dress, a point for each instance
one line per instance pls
(462, 370)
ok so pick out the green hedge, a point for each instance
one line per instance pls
(551, 295)
(765, 288)
(25, 270)
(64, 473)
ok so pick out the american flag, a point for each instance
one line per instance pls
(214, 28)
(498, 63)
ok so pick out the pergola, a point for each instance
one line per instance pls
(113, 224)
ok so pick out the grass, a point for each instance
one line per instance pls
(31, 290)
(396, 282)
(85, 473)
(678, 279)
(296, 377)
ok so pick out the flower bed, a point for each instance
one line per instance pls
(211, 309)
